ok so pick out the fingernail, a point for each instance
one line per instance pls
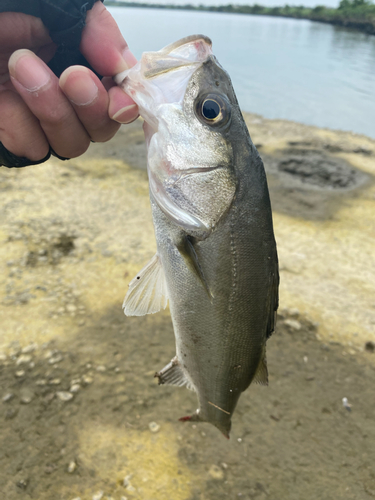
(28, 70)
(129, 58)
(78, 86)
(125, 115)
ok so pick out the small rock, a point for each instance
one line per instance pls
(20, 373)
(293, 324)
(74, 388)
(216, 472)
(72, 467)
(98, 496)
(127, 483)
(124, 498)
(41, 382)
(77, 498)
(117, 369)
(101, 368)
(75, 381)
(154, 427)
(29, 348)
(64, 395)
(55, 381)
(346, 404)
(369, 346)
(24, 358)
(3, 357)
(31, 365)
(55, 359)
(22, 483)
(71, 308)
(8, 397)
(87, 380)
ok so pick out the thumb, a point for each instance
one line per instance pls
(103, 45)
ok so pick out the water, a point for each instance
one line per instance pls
(298, 70)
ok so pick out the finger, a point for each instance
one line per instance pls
(90, 102)
(103, 45)
(121, 107)
(20, 131)
(39, 89)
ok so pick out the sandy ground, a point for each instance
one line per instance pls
(81, 414)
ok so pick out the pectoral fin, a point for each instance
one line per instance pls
(147, 292)
(190, 257)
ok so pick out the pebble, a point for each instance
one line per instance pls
(26, 396)
(101, 368)
(75, 381)
(76, 498)
(87, 380)
(98, 496)
(71, 308)
(29, 348)
(55, 359)
(154, 427)
(20, 373)
(41, 382)
(369, 347)
(72, 467)
(127, 483)
(74, 388)
(8, 397)
(216, 472)
(64, 395)
(293, 324)
(24, 358)
(55, 381)
(3, 356)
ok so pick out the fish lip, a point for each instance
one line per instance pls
(187, 39)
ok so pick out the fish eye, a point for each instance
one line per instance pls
(212, 109)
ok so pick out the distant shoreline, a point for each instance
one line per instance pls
(358, 15)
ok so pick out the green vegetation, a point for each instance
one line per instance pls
(357, 14)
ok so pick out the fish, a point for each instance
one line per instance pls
(216, 262)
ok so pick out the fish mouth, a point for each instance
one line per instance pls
(191, 50)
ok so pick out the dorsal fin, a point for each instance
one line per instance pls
(147, 292)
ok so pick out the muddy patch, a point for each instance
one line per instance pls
(311, 183)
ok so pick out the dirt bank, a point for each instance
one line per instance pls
(81, 414)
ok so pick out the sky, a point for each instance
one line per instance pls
(266, 3)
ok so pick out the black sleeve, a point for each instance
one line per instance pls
(65, 20)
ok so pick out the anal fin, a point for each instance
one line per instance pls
(172, 374)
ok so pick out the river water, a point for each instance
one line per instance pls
(298, 70)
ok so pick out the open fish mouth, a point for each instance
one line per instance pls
(191, 50)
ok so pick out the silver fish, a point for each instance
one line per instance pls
(216, 260)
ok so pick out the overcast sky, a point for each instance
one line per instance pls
(267, 3)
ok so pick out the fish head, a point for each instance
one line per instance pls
(189, 107)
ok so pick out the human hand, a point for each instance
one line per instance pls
(39, 111)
